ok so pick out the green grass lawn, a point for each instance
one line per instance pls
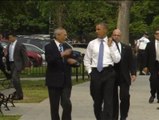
(9, 117)
(34, 91)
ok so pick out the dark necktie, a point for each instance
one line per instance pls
(117, 46)
(157, 51)
(61, 50)
(60, 47)
(100, 57)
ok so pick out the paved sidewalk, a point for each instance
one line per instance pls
(140, 109)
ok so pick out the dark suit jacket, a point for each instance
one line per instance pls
(150, 60)
(126, 65)
(1, 56)
(20, 56)
(58, 73)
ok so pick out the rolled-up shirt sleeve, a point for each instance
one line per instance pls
(114, 52)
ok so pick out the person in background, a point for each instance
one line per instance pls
(2, 65)
(1, 36)
(58, 74)
(16, 61)
(140, 46)
(151, 65)
(125, 74)
(99, 59)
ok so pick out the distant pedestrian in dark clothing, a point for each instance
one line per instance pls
(16, 61)
(152, 66)
(58, 75)
(2, 65)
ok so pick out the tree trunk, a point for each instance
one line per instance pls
(60, 13)
(123, 19)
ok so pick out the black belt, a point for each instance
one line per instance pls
(140, 50)
(11, 61)
(104, 68)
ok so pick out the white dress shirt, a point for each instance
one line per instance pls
(11, 50)
(142, 42)
(111, 54)
(58, 44)
(157, 49)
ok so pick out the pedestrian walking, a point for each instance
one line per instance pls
(16, 61)
(125, 74)
(152, 66)
(58, 75)
(99, 59)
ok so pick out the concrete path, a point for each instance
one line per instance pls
(82, 103)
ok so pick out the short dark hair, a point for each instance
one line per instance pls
(13, 33)
(103, 24)
(146, 33)
(157, 29)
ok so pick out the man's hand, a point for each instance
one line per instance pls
(145, 70)
(133, 78)
(110, 40)
(66, 53)
(71, 61)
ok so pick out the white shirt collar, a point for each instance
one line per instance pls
(13, 43)
(157, 41)
(57, 42)
(105, 39)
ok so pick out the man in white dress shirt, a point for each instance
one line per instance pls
(99, 59)
(16, 61)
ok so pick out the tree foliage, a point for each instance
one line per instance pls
(78, 17)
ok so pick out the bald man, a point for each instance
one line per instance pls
(125, 74)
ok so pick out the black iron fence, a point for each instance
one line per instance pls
(77, 72)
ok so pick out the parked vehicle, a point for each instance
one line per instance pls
(30, 47)
(81, 47)
(34, 57)
(32, 39)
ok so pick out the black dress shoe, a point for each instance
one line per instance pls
(8, 76)
(122, 118)
(17, 98)
(151, 99)
(157, 101)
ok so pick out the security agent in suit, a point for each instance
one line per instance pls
(58, 75)
(152, 66)
(16, 61)
(2, 65)
(125, 73)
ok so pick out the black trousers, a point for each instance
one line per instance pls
(16, 80)
(121, 101)
(57, 95)
(2, 68)
(101, 88)
(154, 82)
(141, 58)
